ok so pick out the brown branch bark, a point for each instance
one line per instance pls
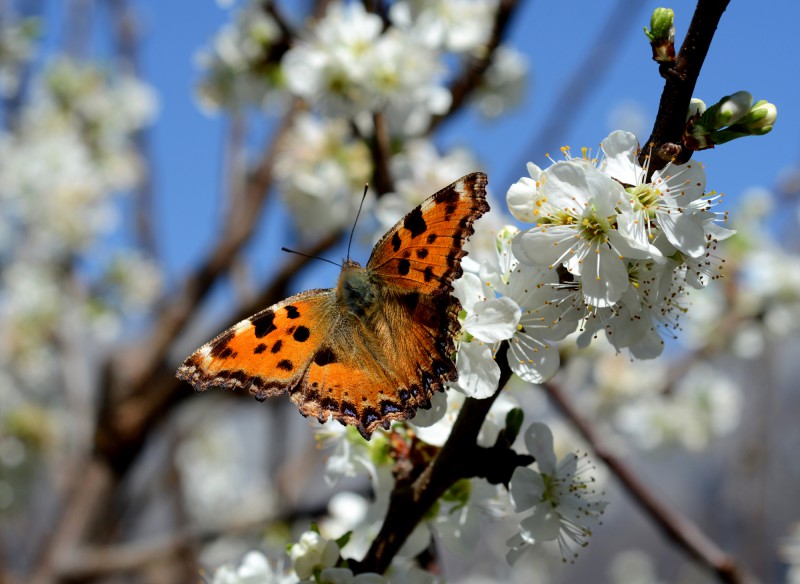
(679, 85)
(459, 458)
(381, 154)
(677, 527)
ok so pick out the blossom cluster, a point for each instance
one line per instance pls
(610, 249)
(346, 66)
(69, 151)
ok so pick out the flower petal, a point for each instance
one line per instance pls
(604, 277)
(539, 442)
(493, 320)
(478, 374)
(526, 488)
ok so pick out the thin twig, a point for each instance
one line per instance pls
(679, 85)
(677, 527)
(381, 153)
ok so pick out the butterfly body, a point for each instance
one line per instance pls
(376, 347)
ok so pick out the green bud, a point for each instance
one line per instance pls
(759, 120)
(662, 35)
(662, 25)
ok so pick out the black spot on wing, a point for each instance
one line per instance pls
(403, 267)
(427, 274)
(432, 237)
(415, 223)
(301, 334)
(260, 349)
(396, 242)
(389, 407)
(325, 356)
(276, 347)
(349, 409)
(447, 195)
(369, 416)
(422, 253)
(292, 312)
(285, 365)
(263, 323)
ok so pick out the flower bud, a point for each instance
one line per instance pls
(760, 119)
(697, 107)
(662, 25)
(662, 35)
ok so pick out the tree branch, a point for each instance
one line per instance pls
(679, 85)
(676, 526)
(459, 458)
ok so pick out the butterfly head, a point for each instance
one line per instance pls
(355, 292)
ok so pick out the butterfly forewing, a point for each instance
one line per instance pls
(423, 251)
(266, 354)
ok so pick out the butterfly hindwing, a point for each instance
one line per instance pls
(383, 367)
(266, 354)
(423, 251)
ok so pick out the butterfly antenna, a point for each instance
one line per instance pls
(305, 255)
(352, 231)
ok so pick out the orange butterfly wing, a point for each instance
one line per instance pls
(266, 354)
(366, 357)
(423, 251)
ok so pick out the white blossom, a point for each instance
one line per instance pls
(349, 65)
(254, 569)
(561, 495)
(455, 25)
(322, 169)
(313, 552)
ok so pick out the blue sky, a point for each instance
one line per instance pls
(749, 52)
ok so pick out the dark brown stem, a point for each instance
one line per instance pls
(679, 85)
(381, 153)
(676, 526)
(459, 458)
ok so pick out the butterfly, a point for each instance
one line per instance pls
(376, 347)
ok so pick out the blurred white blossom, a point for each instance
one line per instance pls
(453, 25)
(236, 66)
(254, 569)
(322, 169)
(349, 65)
